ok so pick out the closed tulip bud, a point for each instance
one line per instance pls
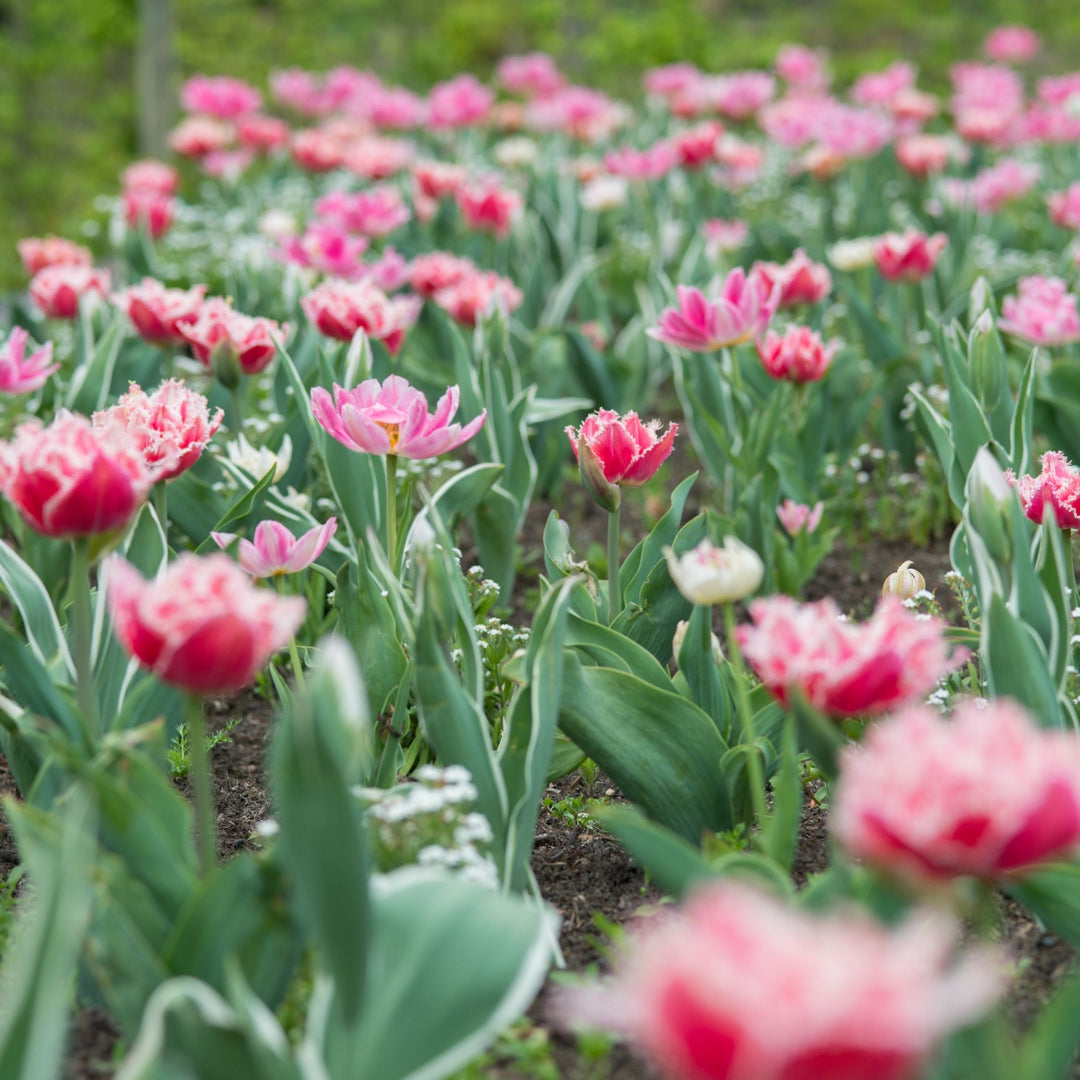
(716, 575)
(989, 495)
(679, 637)
(986, 355)
(904, 583)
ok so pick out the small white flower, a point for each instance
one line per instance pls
(258, 462)
(715, 575)
(604, 193)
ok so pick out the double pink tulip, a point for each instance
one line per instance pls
(800, 279)
(1043, 312)
(157, 313)
(219, 331)
(478, 292)
(740, 312)
(340, 308)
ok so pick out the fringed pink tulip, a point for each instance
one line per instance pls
(741, 986)
(203, 626)
(340, 308)
(908, 256)
(148, 209)
(171, 427)
(247, 340)
(157, 313)
(19, 373)
(221, 96)
(275, 551)
(68, 480)
(741, 312)
(371, 213)
(798, 355)
(985, 792)
(476, 293)
(841, 668)
(487, 206)
(37, 253)
(57, 291)
(437, 270)
(1043, 312)
(1057, 486)
(392, 418)
(800, 279)
(627, 452)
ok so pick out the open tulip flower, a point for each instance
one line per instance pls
(738, 986)
(801, 280)
(340, 308)
(797, 356)
(1043, 312)
(1057, 486)
(57, 290)
(908, 256)
(19, 373)
(157, 312)
(219, 332)
(275, 551)
(716, 575)
(740, 312)
(984, 792)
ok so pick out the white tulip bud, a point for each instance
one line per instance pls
(716, 575)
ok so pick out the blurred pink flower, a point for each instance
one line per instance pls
(68, 480)
(375, 157)
(671, 79)
(435, 270)
(197, 136)
(920, 155)
(316, 151)
(798, 516)
(221, 96)
(390, 271)
(275, 551)
(723, 236)
(1064, 206)
(908, 256)
(150, 175)
(262, 133)
(1011, 44)
(298, 90)
(984, 792)
(218, 328)
(577, 111)
(800, 280)
(37, 253)
(1044, 312)
(397, 108)
(486, 205)
(392, 418)
(739, 985)
(156, 312)
(438, 179)
(149, 209)
(650, 164)
(58, 290)
(626, 451)
(459, 102)
(798, 355)
(741, 312)
(375, 212)
(741, 93)
(1057, 486)
(1009, 179)
(340, 308)
(171, 427)
(531, 75)
(329, 248)
(477, 292)
(227, 165)
(696, 146)
(19, 373)
(841, 668)
(987, 101)
(202, 626)
(804, 70)
(1059, 89)
(881, 87)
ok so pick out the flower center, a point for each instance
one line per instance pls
(393, 432)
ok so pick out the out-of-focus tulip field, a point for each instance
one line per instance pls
(503, 579)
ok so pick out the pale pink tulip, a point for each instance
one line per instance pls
(531, 75)
(202, 626)
(392, 418)
(985, 792)
(842, 668)
(316, 151)
(375, 157)
(723, 236)
(150, 175)
(671, 79)
(459, 102)
(375, 212)
(1003, 183)
(38, 253)
(476, 293)
(880, 87)
(1043, 312)
(796, 517)
(740, 94)
(197, 136)
(19, 373)
(804, 70)
(1011, 44)
(798, 355)
(396, 108)
(262, 133)
(1064, 206)
(650, 164)
(340, 308)
(920, 155)
(58, 291)
(275, 551)
(742, 986)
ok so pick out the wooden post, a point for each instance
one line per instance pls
(155, 91)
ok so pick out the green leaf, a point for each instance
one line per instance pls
(780, 831)
(640, 562)
(1049, 1051)
(40, 624)
(1052, 893)
(91, 382)
(701, 671)
(33, 685)
(604, 647)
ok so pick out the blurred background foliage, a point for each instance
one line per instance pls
(67, 67)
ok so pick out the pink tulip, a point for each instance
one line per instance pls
(1003, 183)
(150, 175)
(800, 279)
(798, 355)
(920, 155)
(985, 792)
(880, 87)
(1057, 486)
(437, 270)
(171, 427)
(298, 90)
(741, 986)
(219, 330)
(38, 253)
(375, 212)
(203, 626)
(276, 551)
(197, 136)
(262, 133)
(740, 94)
(671, 79)
(149, 209)
(804, 70)
(476, 293)
(459, 102)
(390, 271)
(485, 205)
(340, 308)
(577, 111)
(57, 291)
(392, 418)
(723, 236)
(741, 312)
(375, 157)
(841, 668)
(328, 248)
(316, 151)
(68, 480)
(19, 373)
(1044, 312)
(227, 165)
(531, 75)
(796, 517)
(626, 451)
(1064, 206)
(1011, 44)
(651, 164)
(696, 146)
(740, 161)
(908, 256)
(156, 312)
(398, 108)
(221, 96)
(438, 179)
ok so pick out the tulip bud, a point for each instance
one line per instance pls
(905, 583)
(680, 636)
(712, 575)
(986, 355)
(605, 493)
(989, 495)
(225, 364)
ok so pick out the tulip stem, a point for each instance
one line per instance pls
(205, 829)
(237, 394)
(614, 590)
(391, 511)
(294, 653)
(82, 634)
(746, 717)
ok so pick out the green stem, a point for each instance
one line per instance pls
(391, 511)
(205, 827)
(746, 716)
(614, 592)
(238, 407)
(294, 653)
(82, 633)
